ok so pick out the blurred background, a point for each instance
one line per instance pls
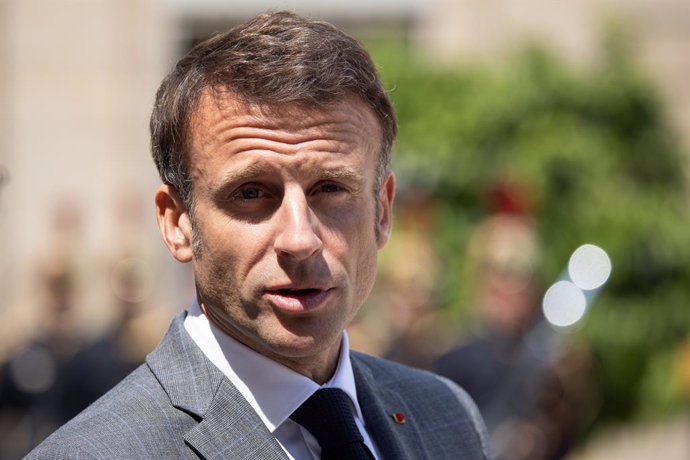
(528, 128)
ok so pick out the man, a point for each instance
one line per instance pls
(532, 392)
(273, 142)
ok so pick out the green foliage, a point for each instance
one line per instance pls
(594, 150)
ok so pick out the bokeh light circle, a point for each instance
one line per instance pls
(564, 304)
(589, 267)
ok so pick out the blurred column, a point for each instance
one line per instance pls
(78, 81)
(4, 158)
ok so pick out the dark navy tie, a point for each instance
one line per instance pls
(327, 414)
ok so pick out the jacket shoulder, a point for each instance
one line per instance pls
(389, 373)
(443, 411)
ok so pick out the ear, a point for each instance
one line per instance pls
(174, 223)
(385, 204)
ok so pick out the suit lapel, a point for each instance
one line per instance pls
(378, 404)
(231, 429)
(228, 426)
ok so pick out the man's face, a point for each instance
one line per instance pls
(286, 216)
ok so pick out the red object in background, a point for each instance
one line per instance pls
(509, 197)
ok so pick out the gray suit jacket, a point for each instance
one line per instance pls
(178, 405)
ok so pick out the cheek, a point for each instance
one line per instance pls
(350, 237)
(220, 259)
(214, 274)
(366, 274)
(355, 221)
(360, 252)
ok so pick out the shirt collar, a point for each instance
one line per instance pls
(274, 391)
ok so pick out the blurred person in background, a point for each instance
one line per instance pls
(273, 142)
(100, 365)
(410, 276)
(55, 372)
(533, 405)
(32, 381)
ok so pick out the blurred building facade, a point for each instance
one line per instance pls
(79, 77)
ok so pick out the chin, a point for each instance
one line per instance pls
(302, 344)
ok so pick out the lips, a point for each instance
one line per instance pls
(297, 299)
(297, 292)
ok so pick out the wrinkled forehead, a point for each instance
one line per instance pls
(218, 105)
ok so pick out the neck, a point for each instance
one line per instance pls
(319, 367)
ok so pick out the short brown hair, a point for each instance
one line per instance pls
(276, 58)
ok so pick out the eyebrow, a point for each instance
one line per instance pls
(245, 173)
(252, 171)
(342, 173)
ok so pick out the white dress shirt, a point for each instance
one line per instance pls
(273, 390)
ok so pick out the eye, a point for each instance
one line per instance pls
(329, 187)
(249, 193)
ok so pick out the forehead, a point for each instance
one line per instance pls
(220, 112)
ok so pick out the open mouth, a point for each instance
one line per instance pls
(298, 300)
(297, 292)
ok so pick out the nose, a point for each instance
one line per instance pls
(297, 238)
